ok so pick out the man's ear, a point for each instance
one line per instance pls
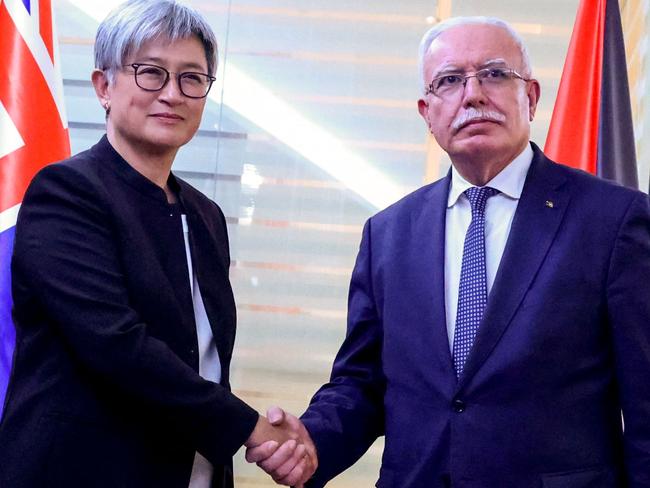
(101, 85)
(534, 92)
(422, 107)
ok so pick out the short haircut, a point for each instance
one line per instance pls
(433, 33)
(135, 22)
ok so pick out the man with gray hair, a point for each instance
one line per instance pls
(499, 318)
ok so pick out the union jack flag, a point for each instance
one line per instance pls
(33, 130)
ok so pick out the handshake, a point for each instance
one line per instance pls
(281, 446)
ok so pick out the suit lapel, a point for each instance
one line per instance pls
(540, 211)
(429, 237)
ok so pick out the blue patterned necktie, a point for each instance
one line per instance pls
(472, 290)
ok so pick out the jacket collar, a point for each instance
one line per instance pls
(109, 157)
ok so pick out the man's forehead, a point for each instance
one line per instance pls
(472, 45)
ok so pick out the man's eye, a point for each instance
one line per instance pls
(497, 73)
(449, 80)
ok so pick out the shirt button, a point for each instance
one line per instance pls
(458, 406)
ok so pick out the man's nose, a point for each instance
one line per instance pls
(473, 92)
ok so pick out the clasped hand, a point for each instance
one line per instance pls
(281, 446)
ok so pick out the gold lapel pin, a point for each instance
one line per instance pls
(549, 204)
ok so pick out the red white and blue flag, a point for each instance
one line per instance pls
(33, 130)
(591, 127)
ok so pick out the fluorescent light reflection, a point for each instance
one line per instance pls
(261, 106)
(250, 178)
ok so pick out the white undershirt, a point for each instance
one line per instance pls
(209, 364)
(499, 212)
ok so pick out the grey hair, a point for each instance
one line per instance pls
(435, 32)
(135, 22)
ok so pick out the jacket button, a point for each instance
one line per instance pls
(458, 406)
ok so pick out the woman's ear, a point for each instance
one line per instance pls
(101, 84)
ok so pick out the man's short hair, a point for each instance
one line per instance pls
(135, 22)
(435, 31)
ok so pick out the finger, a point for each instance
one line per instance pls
(261, 452)
(279, 457)
(275, 415)
(299, 474)
(285, 468)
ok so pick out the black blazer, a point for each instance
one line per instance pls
(105, 390)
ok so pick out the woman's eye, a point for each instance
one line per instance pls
(151, 71)
(192, 77)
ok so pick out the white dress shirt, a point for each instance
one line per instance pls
(209, 364)
(499, 212)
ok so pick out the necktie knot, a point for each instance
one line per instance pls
(478, 196)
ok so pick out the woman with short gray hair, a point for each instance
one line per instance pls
(124, 311)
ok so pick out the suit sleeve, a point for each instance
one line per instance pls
(628, 300)
(66, 266)
(347, 415)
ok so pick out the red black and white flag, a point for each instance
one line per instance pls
(591, 127)
(33, 130)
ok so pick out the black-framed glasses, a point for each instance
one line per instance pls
(151, 77)
(451, 84)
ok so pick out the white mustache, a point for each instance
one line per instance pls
(472, 114)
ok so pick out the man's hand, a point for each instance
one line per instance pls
(291, 462)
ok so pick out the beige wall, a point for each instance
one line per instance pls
(635, 19)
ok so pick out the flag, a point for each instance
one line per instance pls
(591, 127)
(33, 130)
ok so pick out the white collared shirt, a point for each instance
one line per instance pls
(499, 212)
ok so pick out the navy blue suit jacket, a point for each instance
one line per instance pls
(563, 348)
